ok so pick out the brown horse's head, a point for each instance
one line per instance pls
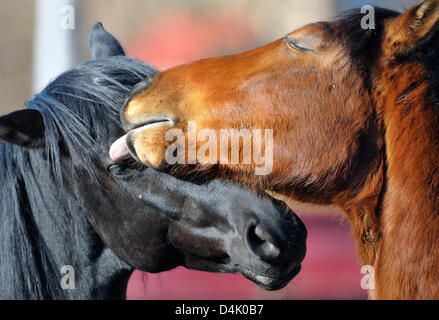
(351, 121)
(316, 89)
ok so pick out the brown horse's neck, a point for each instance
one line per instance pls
(406, 264)
(394, 216)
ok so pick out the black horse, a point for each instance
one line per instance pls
(68, 213)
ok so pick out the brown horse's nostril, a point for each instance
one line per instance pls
(135, 91)
(140, 87)
(262, 244)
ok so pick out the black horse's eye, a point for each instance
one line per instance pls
(118, 169)
(125, 167)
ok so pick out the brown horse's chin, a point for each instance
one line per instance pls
(146, 143)
(269, 283)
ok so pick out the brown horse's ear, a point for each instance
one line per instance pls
(413, 27)
(24, 128)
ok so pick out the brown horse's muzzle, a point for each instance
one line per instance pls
(146, 126)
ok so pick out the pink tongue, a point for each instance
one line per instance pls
(119, 150)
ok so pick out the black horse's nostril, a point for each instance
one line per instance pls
(262, 243)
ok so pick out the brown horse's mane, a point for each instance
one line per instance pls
(428, 55)
(362, 45)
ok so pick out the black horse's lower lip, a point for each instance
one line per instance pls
(269, 283)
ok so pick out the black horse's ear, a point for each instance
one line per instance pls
(102, 44)
(24, 128)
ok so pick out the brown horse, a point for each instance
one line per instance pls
(355, 121)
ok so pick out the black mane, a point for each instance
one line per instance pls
(77, 108)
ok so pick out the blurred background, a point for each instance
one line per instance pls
(41, 38)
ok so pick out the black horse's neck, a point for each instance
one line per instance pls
(42, 230)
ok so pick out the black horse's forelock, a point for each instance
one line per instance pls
(78, 108)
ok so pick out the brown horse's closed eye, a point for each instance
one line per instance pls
(355, 119)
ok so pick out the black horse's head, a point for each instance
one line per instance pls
(151, 220)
